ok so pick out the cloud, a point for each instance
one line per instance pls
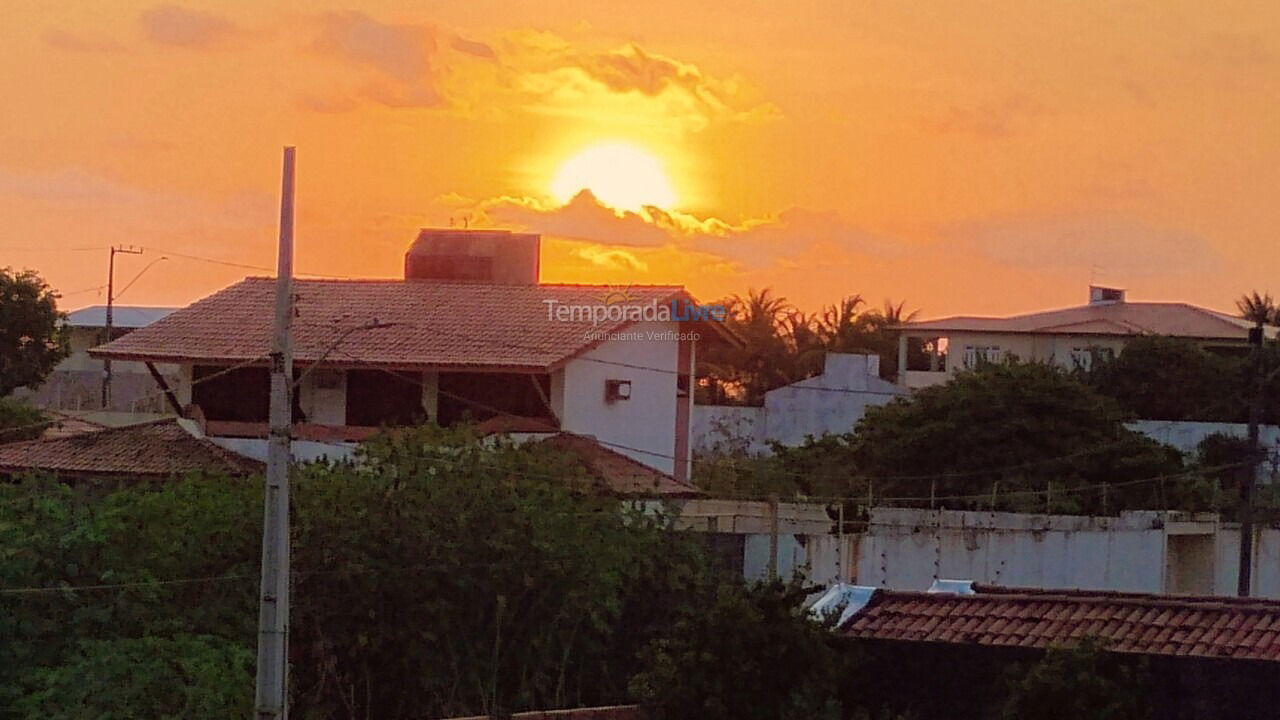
(473, 48)
(396, 60)
(420, 65)
(1118, 245)
(612, 258)
(753, 244)
(995, 119)
(173, 25)
(72, 42)
(628, 83)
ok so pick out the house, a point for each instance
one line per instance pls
(1204, 657)
(76, 383)
(152, 450)
(469, 334)
(930, 351)
(829, 403)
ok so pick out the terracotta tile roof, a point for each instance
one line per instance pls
(1113, 318)
(618, 474)
(161, 448)
(1182, 626)
(436, 324)
(64, 425)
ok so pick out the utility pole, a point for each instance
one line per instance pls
(111, 293)
(272, 695)
(1249, 473)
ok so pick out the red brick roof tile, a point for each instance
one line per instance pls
(154, 449)
(618, 474)
(434, 324)
(1238, 628)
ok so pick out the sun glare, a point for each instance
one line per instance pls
(619, 174)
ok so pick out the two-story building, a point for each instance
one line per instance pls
(930, 351)
(469, 334)
(77, 382)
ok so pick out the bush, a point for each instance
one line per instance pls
(746, 654)
(19, 421)
(1080, 682)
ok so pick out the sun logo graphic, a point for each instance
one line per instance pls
(616, 294)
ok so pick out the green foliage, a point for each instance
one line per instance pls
(53, 536)
(1022, 430)
(1163, 378)
(1080, 682)
(470, 584)
(442, 576)
(145, 678)
(32, 337)
(1141, 380)
(745, 654)
(19, 421)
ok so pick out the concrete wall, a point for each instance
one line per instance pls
(830, 403)
(1137, 552)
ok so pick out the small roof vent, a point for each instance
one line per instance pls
(1099, 295)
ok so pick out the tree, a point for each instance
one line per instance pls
(1080, 682)
(744, 654)
(19, 421)
(443, 574)
(782, 345)
(1027, 432)
(1258, 308)
(1141, 380)
(32, 337)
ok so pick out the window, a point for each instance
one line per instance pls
(977, 355)
(480, 396)
(239, 395)
(376, 398)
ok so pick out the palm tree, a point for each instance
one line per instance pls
(842, 325)
(1258, 308)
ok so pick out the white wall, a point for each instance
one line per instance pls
(1153, 552)
(645, 422)
(830, 403)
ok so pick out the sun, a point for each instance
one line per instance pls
(619, 174)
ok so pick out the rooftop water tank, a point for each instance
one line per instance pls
(486, 256)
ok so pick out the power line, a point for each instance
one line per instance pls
(937, 476)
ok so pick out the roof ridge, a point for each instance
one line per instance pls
(999, 593)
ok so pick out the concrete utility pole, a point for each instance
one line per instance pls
(111, 293)
(272, 696)
(1249, 473)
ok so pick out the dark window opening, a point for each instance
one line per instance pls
(480, 396)
(376, 398)
(240, 395)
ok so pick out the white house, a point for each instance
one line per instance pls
(469, 334)
(1070, 337)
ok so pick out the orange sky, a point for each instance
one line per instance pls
(968, 157)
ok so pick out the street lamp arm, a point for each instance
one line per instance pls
(375, 325)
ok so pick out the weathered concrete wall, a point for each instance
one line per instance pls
(830, 403)
(1138, 552)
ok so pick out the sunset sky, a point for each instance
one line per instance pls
(967, 157)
